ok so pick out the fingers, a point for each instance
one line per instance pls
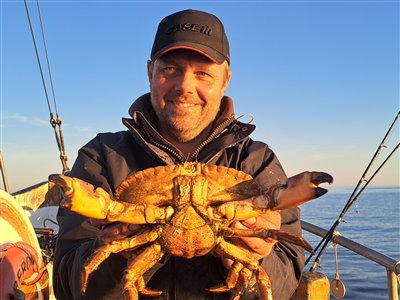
(116, 231)
(258, 246)
(99, 223)
(268, 220)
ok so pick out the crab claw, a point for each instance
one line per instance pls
(60, 181)
(81, 197)
(300, 189)
(318, 178)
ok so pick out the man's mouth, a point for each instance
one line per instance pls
(184, 102)
(180, 104)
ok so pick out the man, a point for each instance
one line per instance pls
(185, 117)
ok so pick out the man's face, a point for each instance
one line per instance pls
(186, 91)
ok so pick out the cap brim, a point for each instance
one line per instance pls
(208, 52)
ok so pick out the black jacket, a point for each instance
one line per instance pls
(110, 157)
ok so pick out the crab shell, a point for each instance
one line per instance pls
(190, 188)
(156, 186)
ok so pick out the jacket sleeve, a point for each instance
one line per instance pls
(285, 263)
(77, 239)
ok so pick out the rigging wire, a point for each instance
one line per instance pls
(328, 237)
(55, 122)
(47, 58)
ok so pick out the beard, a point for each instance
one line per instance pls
(185, 129)
(185, 123)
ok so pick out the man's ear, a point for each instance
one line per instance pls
(150, 65)
(227, 79)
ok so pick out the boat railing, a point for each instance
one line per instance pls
(392, 266)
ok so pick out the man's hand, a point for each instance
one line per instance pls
(259, 247)
(114, 231)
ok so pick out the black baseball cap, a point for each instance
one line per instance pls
(195, 30)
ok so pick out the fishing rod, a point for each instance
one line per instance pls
(328, 237)
(331, 232)
(55, 122)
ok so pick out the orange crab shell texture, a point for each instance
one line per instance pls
(156, 185)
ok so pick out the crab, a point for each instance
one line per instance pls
(191, 207)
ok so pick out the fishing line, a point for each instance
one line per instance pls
(37, 55)
(372, 176)
(328, 237)
(55, 122)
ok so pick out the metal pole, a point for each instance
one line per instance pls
(3, 174)
(392, 266)
(392, 285)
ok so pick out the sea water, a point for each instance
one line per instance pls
(373, 221)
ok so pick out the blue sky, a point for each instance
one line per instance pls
(320, 78)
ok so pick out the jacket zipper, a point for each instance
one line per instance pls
(176, 154)
(165, 147)
(214, 134)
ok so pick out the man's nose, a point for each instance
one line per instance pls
(185, 83)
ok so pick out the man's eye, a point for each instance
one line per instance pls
(203, 74)
(169, 70)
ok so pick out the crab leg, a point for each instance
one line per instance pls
(264, 284)
(230, 280)
(133, 278)
(279, 235)
(229, 250)
(245, 276)
(138, 213)
(238, 210)
(81, 197)
(241, 271)
(242, 260)
(238, 278)
(298, 190)
(102, 253)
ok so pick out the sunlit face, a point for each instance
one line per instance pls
(186, 91)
